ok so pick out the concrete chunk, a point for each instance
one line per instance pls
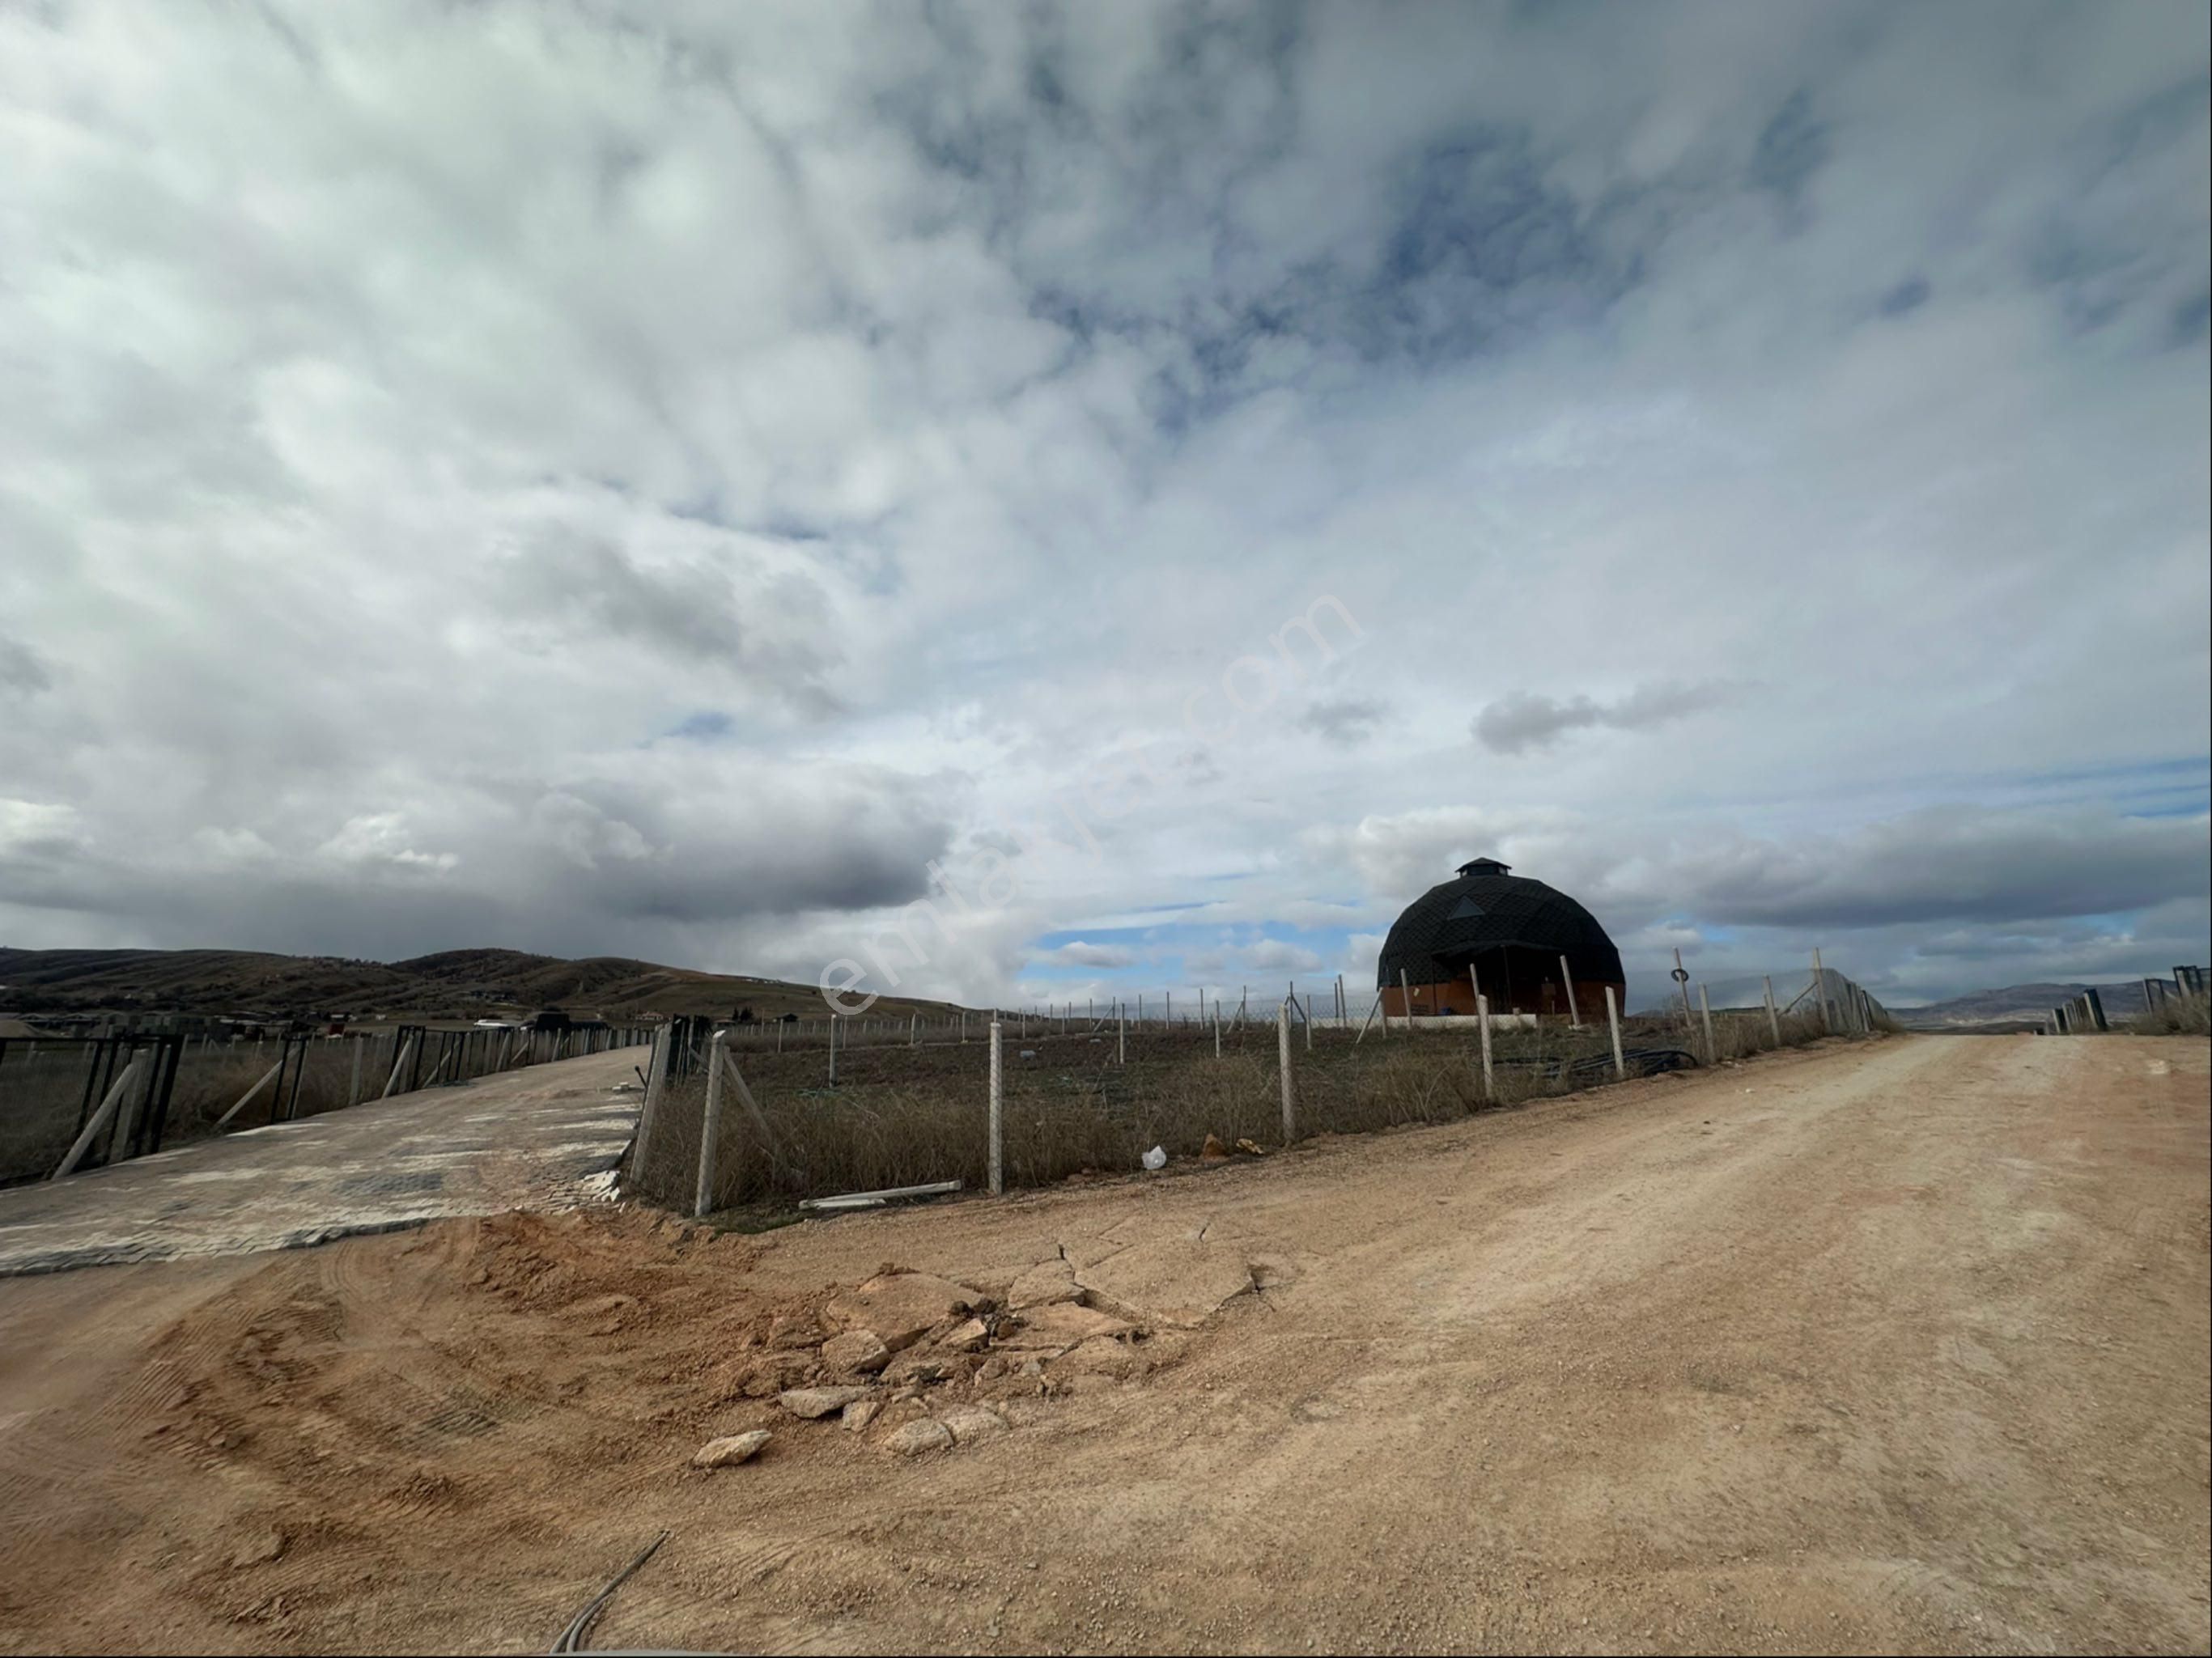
(856, 1353)
(1171, 1281)
(916, 1438)
(728, 1452)
(811, 1402)
(901, 1308)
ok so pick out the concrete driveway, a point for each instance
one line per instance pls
(546, 1136)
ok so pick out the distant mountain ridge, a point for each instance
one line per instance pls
(2122, 999)
(449, 984)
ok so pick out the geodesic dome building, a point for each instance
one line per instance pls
(1505, 933)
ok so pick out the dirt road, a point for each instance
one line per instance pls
(1896, 1347)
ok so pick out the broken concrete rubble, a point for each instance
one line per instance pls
(967, 1338)
(1059, 1326)
(970, 1423)
(812, 1402)
(1047, 1282)
(856, 1353)
(772, 1373)
(1179, 1282)
(916, 1438)
(900, 1308)
(732, 1449)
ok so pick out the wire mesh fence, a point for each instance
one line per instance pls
(1082, 1096)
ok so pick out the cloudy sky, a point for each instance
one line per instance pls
(656, 479)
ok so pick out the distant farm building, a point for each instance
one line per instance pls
(1505, 934)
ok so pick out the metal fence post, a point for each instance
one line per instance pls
(998, 1116)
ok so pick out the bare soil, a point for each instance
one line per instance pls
(1900, 1346)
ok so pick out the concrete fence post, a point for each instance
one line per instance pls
(2096, 1009)
(248, 1097)
(1122, 1039)
(1613, 1019)
(1567, 978)
(710, 1130)
(1774, 1019)
(1405, 1000)
(353, 1092)
(117, 1091)
(1821, 995)
(1283, 1058)
(1706, 1013)
(656, 1085)
(398, 1065)
(998, 1119)
(833, 1050)
(1482, 1021)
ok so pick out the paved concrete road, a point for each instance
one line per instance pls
(544, 1138)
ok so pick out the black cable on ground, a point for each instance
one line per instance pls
(572, 1638)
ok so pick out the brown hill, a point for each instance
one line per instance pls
(2015, 1003)
(450, 984)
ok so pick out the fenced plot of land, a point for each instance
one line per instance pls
(1079, 1099)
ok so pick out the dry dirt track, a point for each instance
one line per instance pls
(1895, 1347)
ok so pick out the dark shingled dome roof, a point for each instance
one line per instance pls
(1486, 909)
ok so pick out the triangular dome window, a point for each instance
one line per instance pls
(1465, 910)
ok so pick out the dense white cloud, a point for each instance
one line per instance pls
(656, 478)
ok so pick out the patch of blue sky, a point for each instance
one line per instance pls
(706, 725)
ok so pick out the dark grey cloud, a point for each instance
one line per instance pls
(1527, 721)
(771, 628)
(1792, 146)
(556, 870)
(1906, 297)
(22, 670)
(1953, 864)
(1345, 721)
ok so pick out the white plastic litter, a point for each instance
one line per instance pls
(1029, 1053)
(1157, 1158)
